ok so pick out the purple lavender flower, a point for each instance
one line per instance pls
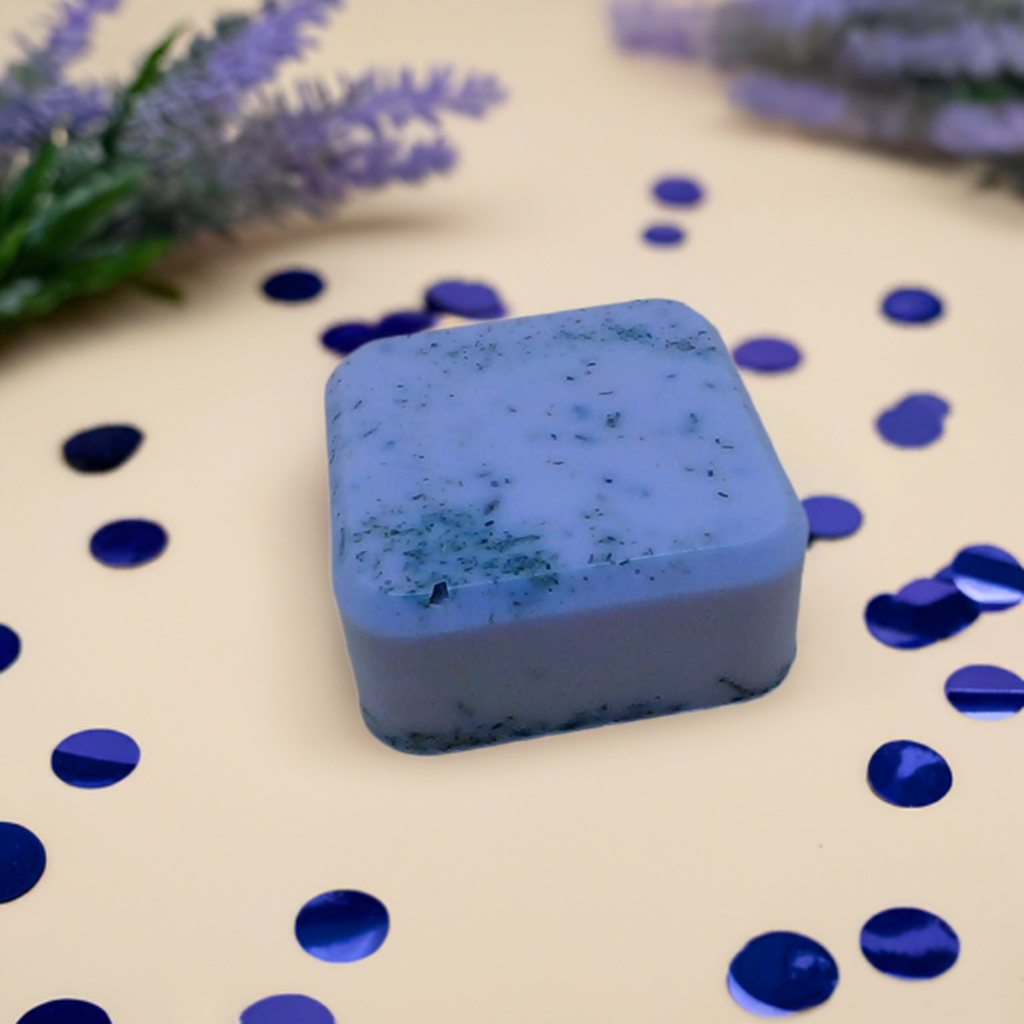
(807, 104)
(660, 28)
(70, 36)
(979, 129)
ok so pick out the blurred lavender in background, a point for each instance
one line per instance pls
(929, 77)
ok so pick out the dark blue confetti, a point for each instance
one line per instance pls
(126, 543)
(831, 518)
(470, 299)
(95, 758)
(346, 338)
(985, 692)
(920, 614)
(22, 860)
(342, 926)
(766, 355)
(410, 321)
(102, 449)
(287, 1009)
(909, 774)
(10, 647)
(782, 971)
(909, 943)
(293, 286)
(678, 191)
(663, 234)
(912, 306)
(914, 422)
(992, 578)
(65, 1011)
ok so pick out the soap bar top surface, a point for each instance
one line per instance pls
(546, 465)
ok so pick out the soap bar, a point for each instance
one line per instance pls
(555, 522)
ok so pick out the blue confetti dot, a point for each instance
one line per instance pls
(22, 860)
(95, 758)
(914, 422)
(992, 578)
(831, 518)
(10, 647)
(470, 299)
(410, 321)
(126, 543)
(346, 338)
(920, 614)
(293, 286)
(287, 1009)
(102, 449)
(678, 191)
(909, 774)
(912, 306)
(65, 1011)
(985, 692)
(342, 926)
(782, 971)
(663, 234)
(909, 943)
(766, 355)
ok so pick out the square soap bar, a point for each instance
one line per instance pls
(556, 522)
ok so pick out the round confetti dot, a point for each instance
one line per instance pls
(780, 972)
(909, 943)
(912, 306)
(288, 1009)
(909, 774)
(470, 299)
(663, 234)
(920, 614)
(914, 422)
(293, 286)
(992, 578)
(410, 321)
(101, 449)
(10, 647)
(22, 860)
(985, 692)
(766, 355)
(832, 518)
(678, 191)
(95, 758)
(346, 338)
(342, 926)
(65, 1011)
(126, 543)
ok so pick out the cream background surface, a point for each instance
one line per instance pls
(608, 876)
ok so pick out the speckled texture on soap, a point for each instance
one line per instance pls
(543, 468)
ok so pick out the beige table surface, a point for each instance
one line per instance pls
(605, 877)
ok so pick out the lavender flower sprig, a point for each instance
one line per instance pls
(942, 78)
(99, 180)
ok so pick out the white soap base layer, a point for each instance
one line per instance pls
(433, 695)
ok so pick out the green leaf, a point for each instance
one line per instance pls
(11, 238)
(27, 187)
(159, 289)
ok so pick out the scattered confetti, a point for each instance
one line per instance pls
(780, 972)
(920, 614)
(127, 543)
(95, 758)
(766, 355)
(992, 578)
(912, 306)
(909, 774)
(914, 422)
(101, 449)
(406, 321)
(65, 1011)
(10, 647)
(678, 191)
(985, 692)
(293, 286)
(342, 926)
(347, 337)
(663, 234)
(287, 1009)
(831, 518)
(470, 299)
(22, 860)
(909, 943)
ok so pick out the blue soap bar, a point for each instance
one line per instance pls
(556, 522)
